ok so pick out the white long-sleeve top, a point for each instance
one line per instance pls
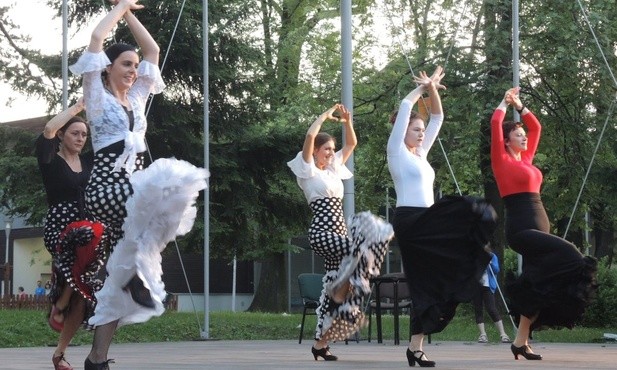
(316, 183)
(413, 176)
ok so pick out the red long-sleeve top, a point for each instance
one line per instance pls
(514, 176)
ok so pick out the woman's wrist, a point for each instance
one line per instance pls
(520, 110)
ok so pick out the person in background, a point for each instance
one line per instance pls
(485, 298)
(557, 282)
(142, 209)
(72, 240)
(39, 292)
(21, 293)
(442, 243)
(350, 259)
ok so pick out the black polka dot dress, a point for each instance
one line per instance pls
(352, 251)
(108, 191)
(70, 235)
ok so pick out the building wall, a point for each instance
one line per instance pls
(218, 302)
(31, 262)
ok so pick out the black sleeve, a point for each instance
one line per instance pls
(45, 149)
(88, 158)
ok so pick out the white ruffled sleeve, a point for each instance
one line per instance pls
(149, 81)
(302, 169)
(90, 62)
(339, 167)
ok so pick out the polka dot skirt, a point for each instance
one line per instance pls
(65, 243)
(106, 194)
(354, 258)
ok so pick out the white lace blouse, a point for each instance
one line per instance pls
(108, 121)
(316, 183)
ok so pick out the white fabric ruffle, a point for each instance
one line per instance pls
(90, 62)
(161, 207)
(305, 170)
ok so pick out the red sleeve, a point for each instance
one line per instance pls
(533, 136)
(498, 149)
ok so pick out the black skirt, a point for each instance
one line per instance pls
(444, 255)
(557, 282)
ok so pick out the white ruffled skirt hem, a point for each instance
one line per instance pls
(161, 207)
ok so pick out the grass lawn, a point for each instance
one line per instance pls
(28, 328)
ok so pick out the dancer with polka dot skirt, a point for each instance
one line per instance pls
(351, 258)
(69, 235)
(142, 209)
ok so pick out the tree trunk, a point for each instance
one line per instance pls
(271, 292)
(498, 66)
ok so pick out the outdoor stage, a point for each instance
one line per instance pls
(290, 355)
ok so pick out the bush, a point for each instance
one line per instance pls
(603, 311)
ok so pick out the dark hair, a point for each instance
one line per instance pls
(115, 50)
(508, 127)
(412, 115)
(71, 121)
(323, 138)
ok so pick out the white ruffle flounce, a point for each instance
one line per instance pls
(161, 207)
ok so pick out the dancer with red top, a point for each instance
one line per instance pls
(557, 281)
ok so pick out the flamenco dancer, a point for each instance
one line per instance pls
(443, 244)
(350, 259)
(142, 209)
(557, 282)
(70, 237)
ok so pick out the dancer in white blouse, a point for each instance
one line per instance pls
(442, 243)
(349, 263)
(142, 209)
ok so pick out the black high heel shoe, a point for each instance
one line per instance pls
(522, 350)
(89, 365)
(412, 359)
(323, 353)
(139, 293)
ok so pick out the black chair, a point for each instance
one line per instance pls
(311, 286)
(390, 294)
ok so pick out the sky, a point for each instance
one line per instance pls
(37, 20)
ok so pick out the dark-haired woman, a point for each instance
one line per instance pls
(142, 209)
(442, 243)
(70, 238)
(557, 282)
(350, 259)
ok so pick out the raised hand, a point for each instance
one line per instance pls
(345, 114)
(330, 113)
(132, 3)
(438, 74)
(337, 108)
(512, 98)
(423, 79)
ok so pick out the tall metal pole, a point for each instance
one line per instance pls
(516, 79)
(515, 47)
(6, 286)
(65, 55)
(205, 334)
(347, 96)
